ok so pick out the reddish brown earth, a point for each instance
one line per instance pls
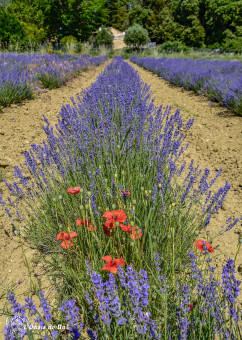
(215, 141)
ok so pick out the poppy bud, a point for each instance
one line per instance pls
(100, 167)
(54, 200)
(60, 197)
(134, 202)
(173, 204)
(17, 232)
(81, 190)
(105, 180)
(122, 172)
(150, 191)
(75, 214)
(240, 240)
(115, 175)
(142, 188)
(99, 208)
(196, 232)
(132, 244)
(159, 185)
(113, 206)
(208, 232)
(117, 223)
(86, 206)
(169, 236)
(118, 146)
(81, 207)
(132, 223)
(89, 193)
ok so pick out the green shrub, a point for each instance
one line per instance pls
(12, 93)
(136, 36)
(50, 81)
(10, 28)
(173, 47)
(69, 39)
(104, 38)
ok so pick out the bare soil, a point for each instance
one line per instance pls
(215, 141)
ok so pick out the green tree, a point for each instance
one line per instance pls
(138, 15)
(10, 28)
(104, 38)
(136, 36)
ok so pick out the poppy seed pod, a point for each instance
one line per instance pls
(142, 188)
(132, 223)
(122, 172)
(115, 175)
(113, 206)
(60, 197)
(134, 202)
(169, 236)
(117, 224)
(105, 180)
(81, 190)
(89, 193)
(196, 232)
(86, 206)
(54, 200)
(240, 240)
(81, 207)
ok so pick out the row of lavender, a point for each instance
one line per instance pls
(22, 74)
(220, 81)
(110, 185)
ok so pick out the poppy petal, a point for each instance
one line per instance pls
(62, 235)
(66, 245)
(73, 234)
(78, 222)
(108, 214)
(120, 215)
(107, 258)
(119, 261)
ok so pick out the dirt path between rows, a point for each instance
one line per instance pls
(20, 126)
(215, 141)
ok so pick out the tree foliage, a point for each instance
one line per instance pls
(136, 36)
(193, 22)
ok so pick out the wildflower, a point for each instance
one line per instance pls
(199, 245)
(112, 264)
(106, 231)
(114, 216)
(135, 233)
(75, 190)
(72, 317)
(86, 223)
(67, 238)
(125, 193)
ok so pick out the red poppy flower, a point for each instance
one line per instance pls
(199, 245)
(125, 227)
(114, 216)
(191, 306)
(112, 265)
(75, 190)
(66, 238)
(86, 223)
(126, 192)
(135, 233)
(106, 231)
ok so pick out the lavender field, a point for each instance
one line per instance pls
(21, 75)
(220, 81)
(117, 216)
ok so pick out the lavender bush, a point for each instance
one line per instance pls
(221, 81)
(110, 186)
(20, 74)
